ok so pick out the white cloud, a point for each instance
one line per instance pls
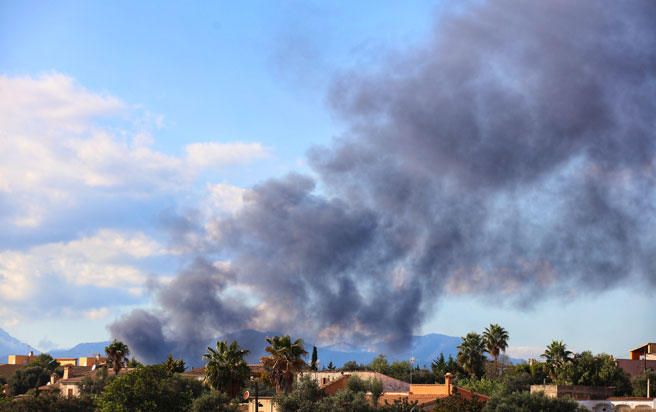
(97, 314)
(102, 260)
(525, 352)
(32, 105)
(56, 147)
(224, 198)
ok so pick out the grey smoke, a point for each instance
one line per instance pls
(511, 156)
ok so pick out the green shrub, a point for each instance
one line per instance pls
(151, 388)
(213, 402)
(525, 402)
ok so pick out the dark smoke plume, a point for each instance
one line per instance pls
(510, 156)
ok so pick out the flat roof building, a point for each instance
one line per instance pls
(640, 359)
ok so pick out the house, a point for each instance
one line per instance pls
(265, 404)
(257, 370)
(393, 389)
(71, 382)
(640, 359)
(197, 374)
(67, 361)
(92, 360)
(20, 359)
(389, 384)
(426, 395)
(82, 361)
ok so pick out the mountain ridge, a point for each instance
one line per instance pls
(12, 346)
(423, 348)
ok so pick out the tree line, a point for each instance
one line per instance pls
(480, 366)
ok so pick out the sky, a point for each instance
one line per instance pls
(123, 123)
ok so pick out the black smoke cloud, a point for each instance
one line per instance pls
(510, 156)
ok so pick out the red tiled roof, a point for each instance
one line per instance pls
(50, 387)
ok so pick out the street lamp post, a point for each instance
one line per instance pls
(412, 366)
(257, 400)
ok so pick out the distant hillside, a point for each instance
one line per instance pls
(81, 349)
(423, 348)
(12, 346)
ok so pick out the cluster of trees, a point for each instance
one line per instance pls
(479, 366)
(471, 351)
(502, 380)
(146, 388)
(566, 368)
(401, 370)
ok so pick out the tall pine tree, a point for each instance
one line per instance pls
(313, 362)
(439, 367)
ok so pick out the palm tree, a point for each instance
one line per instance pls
(117, 355)
(556, 357)
(226, 369)
(284, 361)
(471, 354)
(173, 365)
(496, 341)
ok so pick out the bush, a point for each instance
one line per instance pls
(456, 403)
(28, 378)
(43, 402)
(304, 395)
(489, 387)
(400, 406)
(640, 384)
(150, 388)
(376, 388)
(344, 400)
(94, 386)
(525, 402)
(355, 384)
(213, 402)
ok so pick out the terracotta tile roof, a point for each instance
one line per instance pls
(389, 384)
(75, 371)
(194, 373)
(467, 394)
(50, 387)
(333, 386)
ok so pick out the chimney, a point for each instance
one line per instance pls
(67, 369)
(30, 354)
(447, 382)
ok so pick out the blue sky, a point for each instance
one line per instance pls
(153, 80)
